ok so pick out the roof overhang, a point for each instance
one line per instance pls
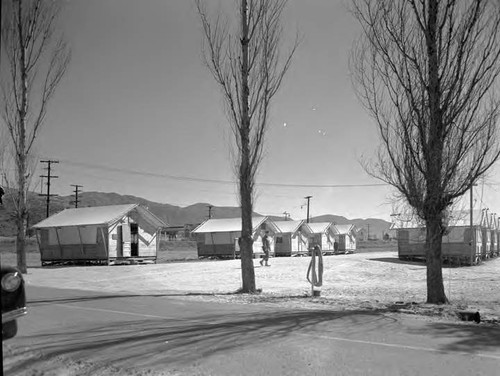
(102, 216)
(221, 225)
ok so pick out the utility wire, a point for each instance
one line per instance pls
(215, 181)
(145, 173)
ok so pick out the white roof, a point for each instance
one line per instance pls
(321, 227)
(291, 226)
(344, 229)
(97, 215)
(227, 225)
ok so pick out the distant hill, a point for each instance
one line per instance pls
(172, 215)
(37, 210)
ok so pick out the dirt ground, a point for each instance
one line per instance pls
(372, 280)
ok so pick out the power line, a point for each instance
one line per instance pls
(146, 173)
(107, 177)
(322, 185)
(217, 181)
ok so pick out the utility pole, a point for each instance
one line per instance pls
(368, 238)
(472, 234)
(76, 193)
(308, 198)
(209, 211)
(48, 177)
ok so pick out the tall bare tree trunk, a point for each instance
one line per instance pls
(247, 65)
(21, 216)
(37, 61)
(246, 183)
(432, 206)
(427, 71)
(247, 268)
(433, 242)
(22, 212)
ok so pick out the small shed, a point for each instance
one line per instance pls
(323, 234)
(219, 237)
(494, 235)
(486, 234)
(465, 239)
(99, 234)
(411, 238)
(462, 242)
(292, 238)
(177, 233)
(497, 227)
(346, 238)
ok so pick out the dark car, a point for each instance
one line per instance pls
(13, 300)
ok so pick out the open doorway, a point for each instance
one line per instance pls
(134, 240)
(119, 241)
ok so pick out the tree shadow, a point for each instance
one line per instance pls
(96, 297)
(396, 260)
(77, 299)
(181, 341)
(468, 338)
(446, 263)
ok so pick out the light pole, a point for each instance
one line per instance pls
(308, 198)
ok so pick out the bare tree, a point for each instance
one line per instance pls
(37, 58)
(3, 153)
(426, 72)
(248, 67)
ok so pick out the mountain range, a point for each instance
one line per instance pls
(170, 214)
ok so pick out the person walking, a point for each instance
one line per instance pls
(265, 248)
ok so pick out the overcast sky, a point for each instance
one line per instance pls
(138, 113)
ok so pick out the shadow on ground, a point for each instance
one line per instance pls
(37, 295)
(421, 262)
(467, 338)
(176, 342)
(179, 342)
(396, 260)
(86, 298)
